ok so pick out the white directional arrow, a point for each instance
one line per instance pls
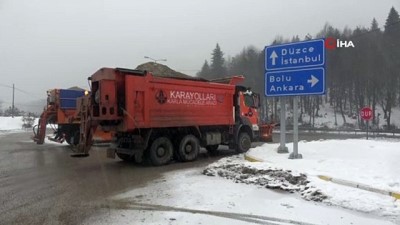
(313, 81)
(273, 56)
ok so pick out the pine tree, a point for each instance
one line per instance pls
(392, 22)
(392, 33)
(391, 37)
(205, 71)
(374, 25)
(373, 67)
(295, 38)
(218, 68)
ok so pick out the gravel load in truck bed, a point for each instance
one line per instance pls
(161, 70)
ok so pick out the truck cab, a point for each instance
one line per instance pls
(262, 132)
(247, 118)
(247, 112)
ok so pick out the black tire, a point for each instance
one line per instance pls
(243, 143)
(68, 139)
(126, 157)
(75, 142)
(189, 148)
(161, 151)
(212, 149)
(72, 138)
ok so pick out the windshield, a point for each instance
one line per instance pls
(248, 100)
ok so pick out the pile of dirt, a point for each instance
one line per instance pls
(76, 88)
(161, 70)
(271, 178)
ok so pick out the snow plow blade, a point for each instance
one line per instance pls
(266, 132)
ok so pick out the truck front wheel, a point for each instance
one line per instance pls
(160, 151)
(243, 142)
(189, 148)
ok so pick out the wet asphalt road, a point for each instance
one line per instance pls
(42, 184)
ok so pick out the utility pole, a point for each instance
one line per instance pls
(12, 107)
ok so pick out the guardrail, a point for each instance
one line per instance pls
(372, 133)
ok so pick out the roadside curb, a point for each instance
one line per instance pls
(249, 158)
(359, 186)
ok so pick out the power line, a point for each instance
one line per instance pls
(4, 85)
(21, 91)
(23, 104)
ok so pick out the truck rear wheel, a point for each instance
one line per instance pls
(72, 137)
(189, 148)
(161, 151)
(243, 143)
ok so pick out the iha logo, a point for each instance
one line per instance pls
(333, 43)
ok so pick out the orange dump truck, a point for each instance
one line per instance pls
(164, 117)
(62, 111)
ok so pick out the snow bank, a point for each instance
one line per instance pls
(11, 125)
(369, 162)
(272, 178)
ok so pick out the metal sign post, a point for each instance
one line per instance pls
(282, 148)
(295, 154)
(366, 114)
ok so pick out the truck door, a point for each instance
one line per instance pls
(248, 109)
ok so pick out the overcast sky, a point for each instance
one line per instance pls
(48, 44)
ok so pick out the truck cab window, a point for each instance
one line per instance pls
(248, 100)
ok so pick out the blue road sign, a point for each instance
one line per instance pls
(309, 81)
(295, 69)
(295, 55)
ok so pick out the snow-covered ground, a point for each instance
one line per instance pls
(372, 163)
(11, 125)
(188, 197)
(14, 125)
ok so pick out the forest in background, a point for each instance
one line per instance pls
(368, 74)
